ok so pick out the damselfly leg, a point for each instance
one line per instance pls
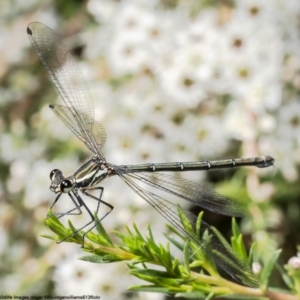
(75, 207)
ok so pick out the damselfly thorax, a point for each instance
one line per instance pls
(90, 174)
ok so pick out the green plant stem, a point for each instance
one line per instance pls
(280, 296)
(243, 290)
(109, 249)
(233, 287)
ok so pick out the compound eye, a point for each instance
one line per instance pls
(66, 186)
(52, 174)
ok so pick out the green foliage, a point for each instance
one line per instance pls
(268, 268)
(292, 278)
(237, 241)
(177, 275)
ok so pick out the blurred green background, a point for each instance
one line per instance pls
(171, 81)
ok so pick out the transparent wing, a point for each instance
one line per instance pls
(188, 190)
(208, 240)
(67, 78)
(99, 134)
(98, 130)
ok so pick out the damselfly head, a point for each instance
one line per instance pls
(59, 183)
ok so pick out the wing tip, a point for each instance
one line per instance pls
(31, 27)
(29, 31)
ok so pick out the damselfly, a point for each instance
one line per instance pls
(78, 115)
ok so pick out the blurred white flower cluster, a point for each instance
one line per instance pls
(193, 57)
(184, 67)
